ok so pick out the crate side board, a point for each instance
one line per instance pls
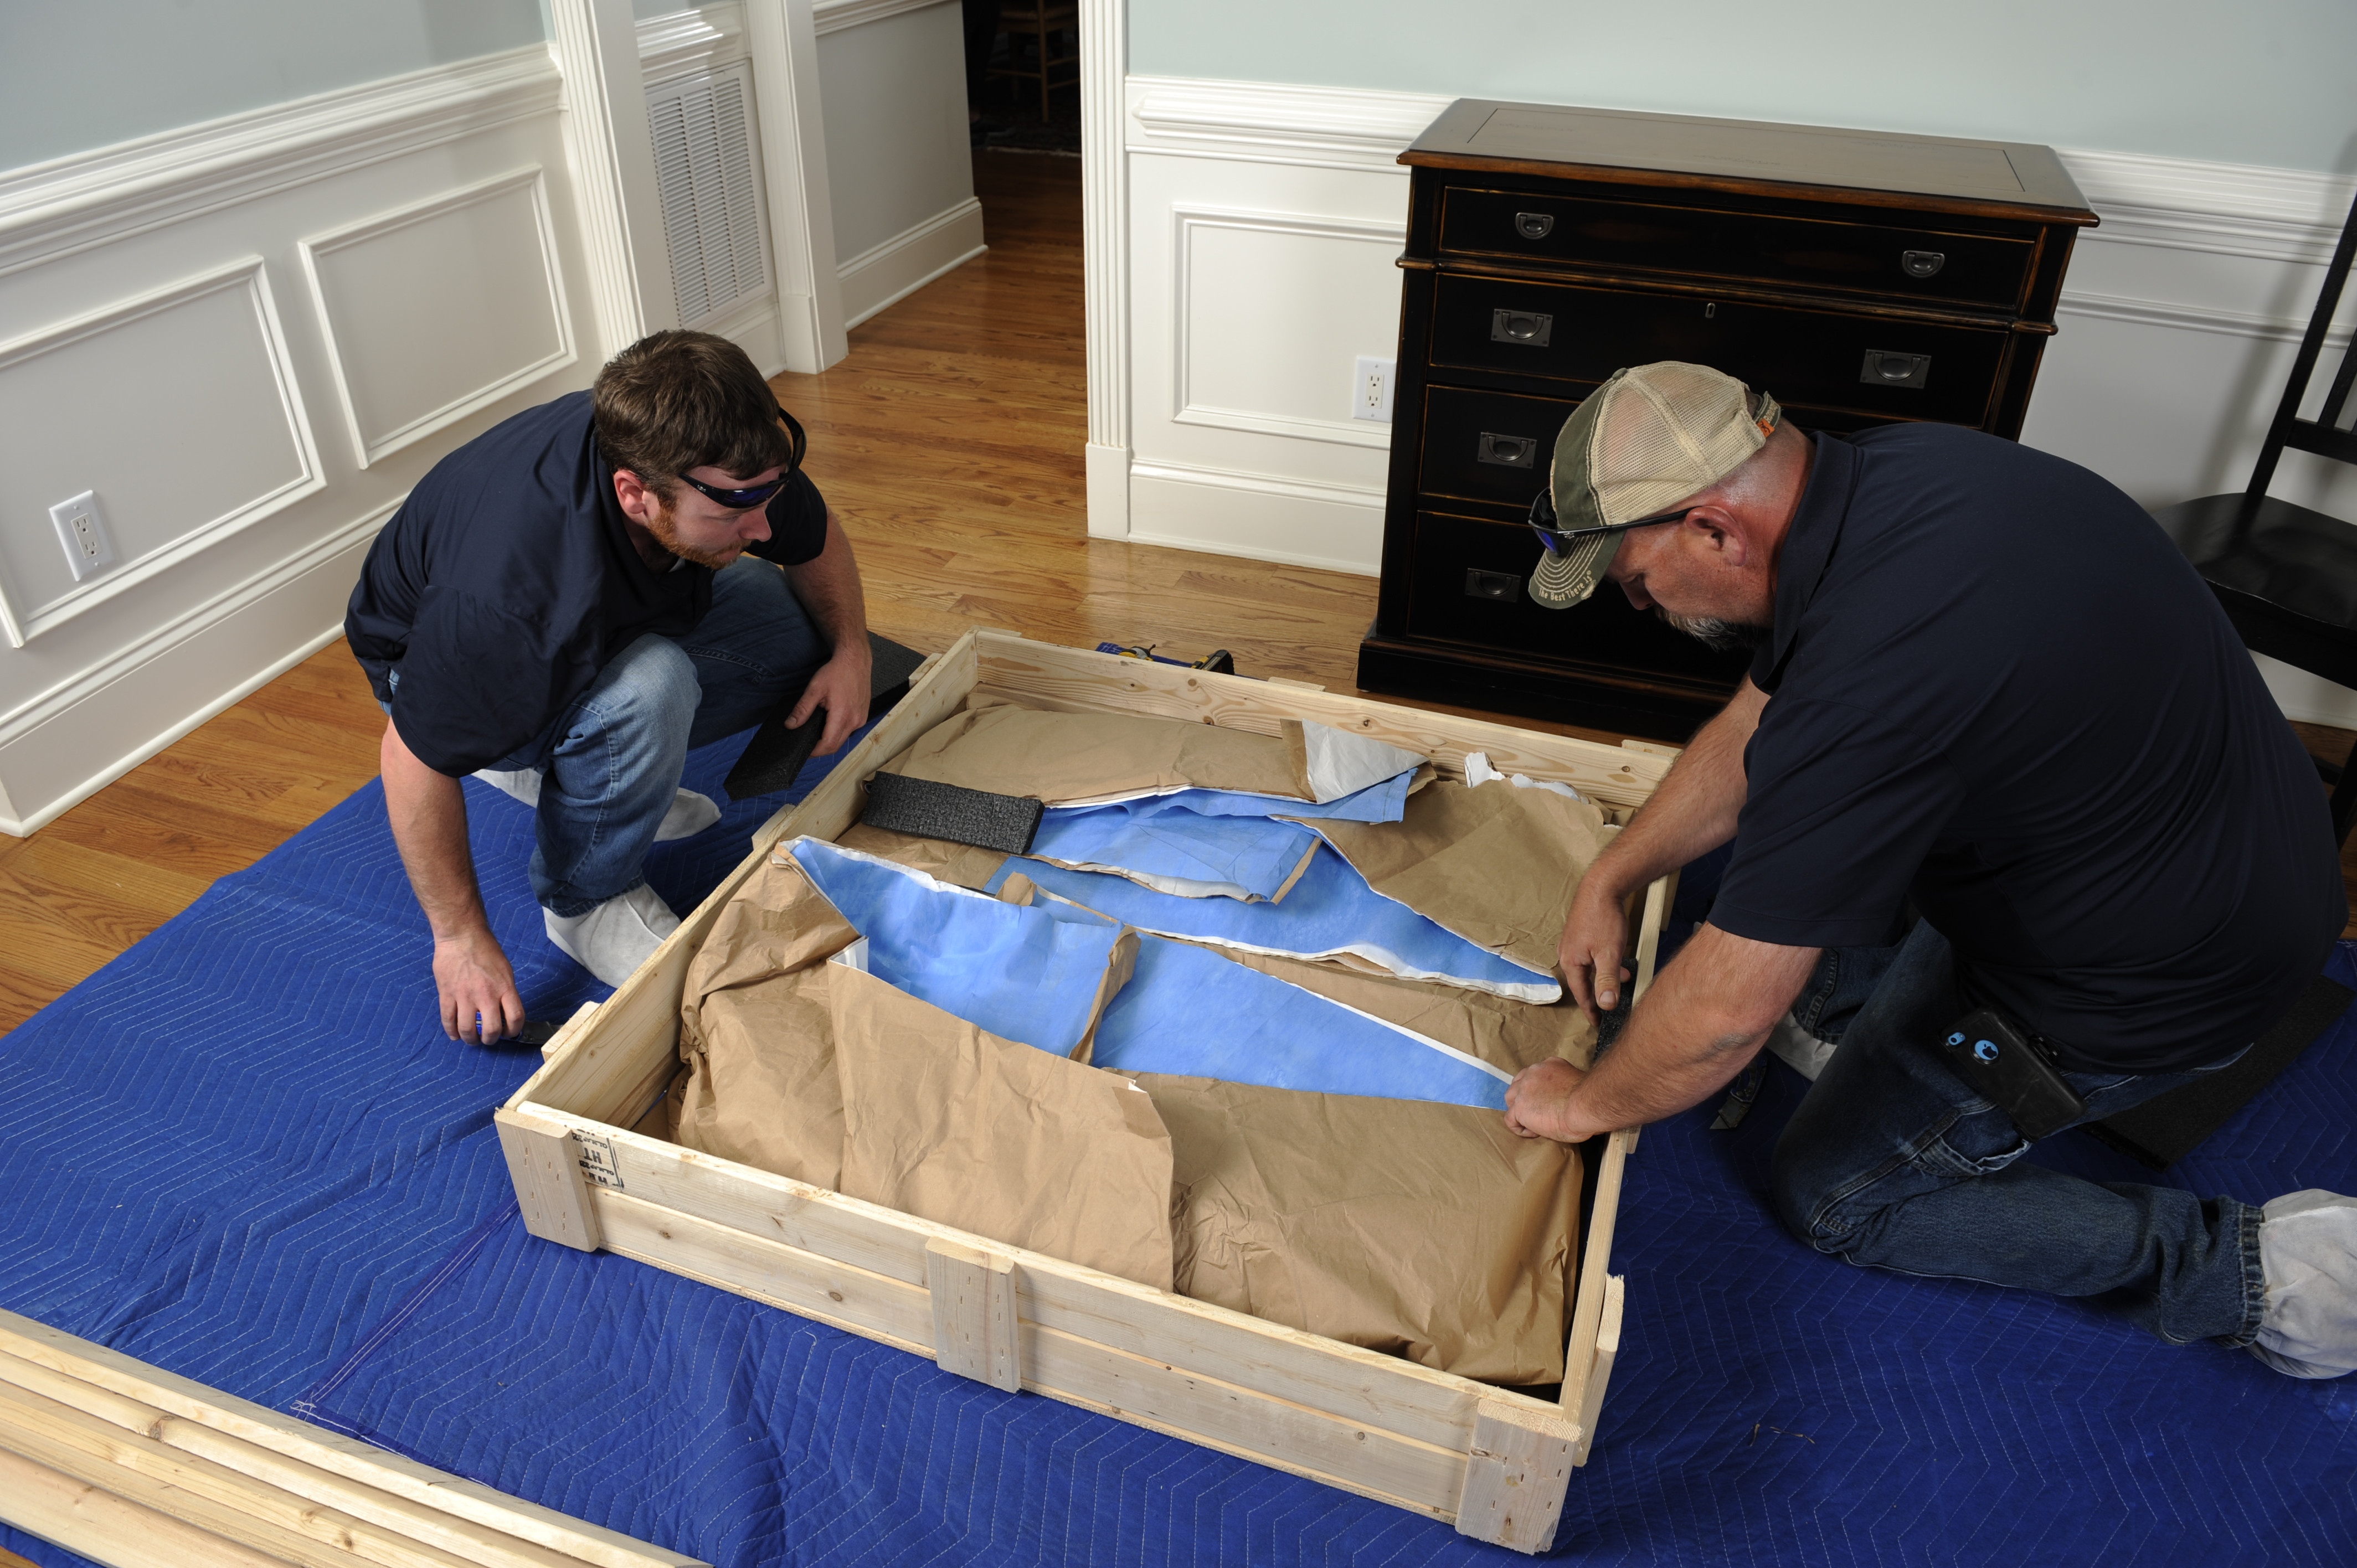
(1362, 1456)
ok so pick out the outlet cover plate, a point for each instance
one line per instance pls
(1371, 389)
(82, 530)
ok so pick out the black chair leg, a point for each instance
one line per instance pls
(2344, 800)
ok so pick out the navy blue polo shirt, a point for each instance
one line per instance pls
(1995, 686)
(507, 579)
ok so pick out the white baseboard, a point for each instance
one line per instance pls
(1108, 491)
(170, 683)
(885, 274)
(1338, 528)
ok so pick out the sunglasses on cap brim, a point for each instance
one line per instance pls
(1558, 539)
(757, 495)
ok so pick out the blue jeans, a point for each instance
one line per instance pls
(1894, 1161)
(610, 764)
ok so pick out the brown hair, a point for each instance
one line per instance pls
(675, 401)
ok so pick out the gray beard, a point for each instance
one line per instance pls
(1712, 632)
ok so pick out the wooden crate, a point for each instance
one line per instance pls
(1495, 1463)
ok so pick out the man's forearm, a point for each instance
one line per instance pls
(828, 586)
(428, 811)
(1694, 808)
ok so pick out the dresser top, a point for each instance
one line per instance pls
(1880, 167)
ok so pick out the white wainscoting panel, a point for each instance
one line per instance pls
(899, 166)
(401, 259)
(440, 308)
(2175, 328)
(1251, 358)
(179, 410)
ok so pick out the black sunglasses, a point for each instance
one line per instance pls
(746, 499)
(1542, 521)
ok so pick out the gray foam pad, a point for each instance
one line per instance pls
(934, 811)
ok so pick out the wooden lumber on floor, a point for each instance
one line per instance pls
(129, 1466)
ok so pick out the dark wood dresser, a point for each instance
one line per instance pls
(1861, 277)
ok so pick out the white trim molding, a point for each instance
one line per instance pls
(312, 250)
(53, 209)
(612, 155)
(1104, 260)
(834, 16)
(2235, 209)
(1252, 122)
(910, 260)
(1187, 220)
(249, 274)
(783, 42)
(165, 641)
(681, 43)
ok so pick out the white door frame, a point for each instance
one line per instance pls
(612, 155)
(1104, 259)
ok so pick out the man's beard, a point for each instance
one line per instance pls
(1713, 633)
(664, 526)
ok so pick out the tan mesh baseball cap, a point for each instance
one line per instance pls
(1649, 438)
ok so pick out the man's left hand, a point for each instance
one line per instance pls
(1538, 1103)
(841, 687)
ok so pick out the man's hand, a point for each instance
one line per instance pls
(478, 987)
(1595, 941)
(841, 687)
(1538, 1103)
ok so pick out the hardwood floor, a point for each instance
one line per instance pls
(949, 440)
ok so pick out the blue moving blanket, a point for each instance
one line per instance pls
(1330, 912)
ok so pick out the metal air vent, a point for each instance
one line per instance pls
(709, 173)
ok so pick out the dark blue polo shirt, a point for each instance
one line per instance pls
(507, 579)
(1995, 685)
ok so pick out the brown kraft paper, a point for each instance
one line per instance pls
(761, 1085)
(954, 1125)
(1496, 865)
(1063, 758)
(1422, 1231)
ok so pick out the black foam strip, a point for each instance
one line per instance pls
(776, 754)
(2166, 1128)
(929, 809)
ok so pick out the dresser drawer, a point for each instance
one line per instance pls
(1699, 243)
(1468, 577)
(1490, 447)
(1900, 369)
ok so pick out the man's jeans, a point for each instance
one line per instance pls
(1893, 1161)
(610, 764)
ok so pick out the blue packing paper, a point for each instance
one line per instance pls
(1330, 912)
(1166, 844)
(1023, 974)
(1187, 1010)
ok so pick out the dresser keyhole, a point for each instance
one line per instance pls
(1708, 311)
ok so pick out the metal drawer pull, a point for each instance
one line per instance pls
(1528, 326)
(1480, 585)
(1922, 264)
(1885, 368)
(1509, 451)
(1535, 225)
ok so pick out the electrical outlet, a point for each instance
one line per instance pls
(82, 531)
(1371, 389)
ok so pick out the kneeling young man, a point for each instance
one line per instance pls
(567, 604)
(1985, 687)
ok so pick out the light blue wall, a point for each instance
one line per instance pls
(2253, 81)
(77, 74)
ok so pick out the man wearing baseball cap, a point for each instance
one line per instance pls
(1994, 717)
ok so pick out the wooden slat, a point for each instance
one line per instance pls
(105, 1528)
(1345, 1381)
(1515, 1478)
(1607, 1348)
(186, 1401)
(1147, 1390)
(1587, 1308)
(973, 1294)
(544, 1162)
